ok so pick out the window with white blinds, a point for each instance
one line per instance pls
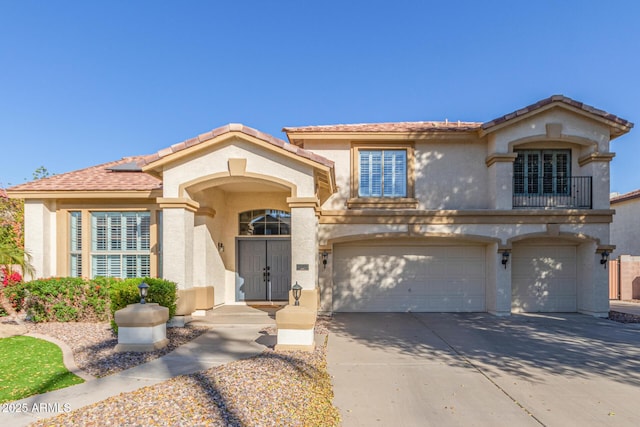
(542, 172)
(383, 173)
(120, 244)
(75, 258)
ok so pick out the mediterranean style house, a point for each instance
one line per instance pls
(502, 216)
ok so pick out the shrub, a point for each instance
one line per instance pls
(125, 292)
(73, 299)
(62, 299)
(8, 279)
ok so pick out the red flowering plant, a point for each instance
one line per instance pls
(9, 277)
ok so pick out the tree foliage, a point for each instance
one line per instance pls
(12, 222)
(11, 248)
(41, 172)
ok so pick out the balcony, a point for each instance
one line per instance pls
(552, 192)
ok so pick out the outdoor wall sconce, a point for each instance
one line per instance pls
(220, 247)
(325, 258)
(144, 290)
(297, 291)
(605, 258)
(505, 259)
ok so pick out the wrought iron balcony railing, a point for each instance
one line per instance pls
(561, 192)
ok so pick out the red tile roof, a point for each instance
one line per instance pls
(624, 197)
(456, 126)
(238, 127)
(96, 178)
(390, 127)
(562, 99)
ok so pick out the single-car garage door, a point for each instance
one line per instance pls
(543, 279)
(395, 277)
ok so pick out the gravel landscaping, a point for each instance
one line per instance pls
(271, 389)
(623, 317)
(93, 345)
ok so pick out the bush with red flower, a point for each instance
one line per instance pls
(9, 278)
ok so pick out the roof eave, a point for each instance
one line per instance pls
(625, 197)
(616, 127)
(297, 138)
(156, 167)
(84, 194)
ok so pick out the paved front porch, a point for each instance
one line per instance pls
(238, 315)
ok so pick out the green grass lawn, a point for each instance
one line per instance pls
(31, 366)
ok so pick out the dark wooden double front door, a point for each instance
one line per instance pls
(264, 267)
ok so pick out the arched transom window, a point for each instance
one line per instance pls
(265, 222)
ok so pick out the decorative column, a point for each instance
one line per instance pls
(501, 179)
(304, 241)
(596, 165)
(40, 236)
(177, 257)
(204, 253)
(592, 287)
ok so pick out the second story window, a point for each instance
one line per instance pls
(542, 172)
(383, 173)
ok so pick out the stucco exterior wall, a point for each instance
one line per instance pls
(178, 235)
(448, 174)
(304, 247)
(451, 175)
(592, 295)
(625, 229)
(503, 233)
(340, 153)
(40, 236)
(574, 128)
(259, 161)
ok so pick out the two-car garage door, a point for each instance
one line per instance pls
(400, 277)
(406, 277)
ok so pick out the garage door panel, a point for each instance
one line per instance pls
(544, 279)
(409, 278)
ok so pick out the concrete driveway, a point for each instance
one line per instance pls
(421, 369)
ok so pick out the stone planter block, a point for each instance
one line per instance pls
(142, 327)
(185, 302)
(204, 297)
(295, 328)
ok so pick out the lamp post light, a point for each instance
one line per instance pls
(297, 291)
(144, 290)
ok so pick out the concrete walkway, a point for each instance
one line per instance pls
(428, 369)
(222, 344)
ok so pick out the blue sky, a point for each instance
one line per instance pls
(83, 83)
